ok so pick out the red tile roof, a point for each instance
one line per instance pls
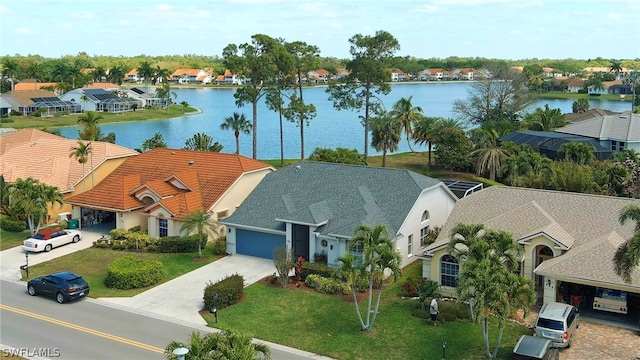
(186, 180)
(45, 157)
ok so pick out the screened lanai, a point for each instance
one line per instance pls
(51, 106)
(550, 143)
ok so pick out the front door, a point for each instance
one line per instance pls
(542, 253)
(300, 236)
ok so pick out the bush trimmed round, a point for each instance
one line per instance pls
(130, 272)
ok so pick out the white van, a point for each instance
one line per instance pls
(557, 322)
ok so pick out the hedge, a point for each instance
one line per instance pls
(323, 270)
(12, 225)
(178, 244)
(229, 291)
(327, 285)
(129, 272)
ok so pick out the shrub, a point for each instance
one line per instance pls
(6, 120)
(312, 280)
(136, 228)
(309, 268)
(64, 224)
(100, 244)
(228, 290)
(118, 234)
(119, 245)
(12, 225)
(331, 286)
(320, 258)
(421, 287)
(178, 244)
(220, 246)
(129, 272)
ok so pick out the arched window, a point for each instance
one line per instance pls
(449, 269)
(546, 251)
(425, 215)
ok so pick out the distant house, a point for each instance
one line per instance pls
(589, 114)
(45, 157)
(228, 78)
(191, 76)
(550, 143)
(132, 76)
(398, 75)
(464, 74)
(42, 101)
(318, 76)
(31, 84)
(313, 208)
(571, 84)
(146, 99)
(98, 99)
(157, 189)
(433, 74)
(615, 132)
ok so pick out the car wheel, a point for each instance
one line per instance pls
(569, 343)
(31, 290)
(59, 298)
(47, 248)
(76, 239)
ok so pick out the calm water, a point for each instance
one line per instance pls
(330, 129)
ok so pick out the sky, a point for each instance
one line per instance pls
(501, 29)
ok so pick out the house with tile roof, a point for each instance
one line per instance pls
(313, 208)
(45, 102)
(31, 84)
(191, 76)
(45, 157)
(228, 78)
(616, 132)
(133, 76)
(571, 84)
(566, 238)
(157, 189)
(433, 74)
(319, 76)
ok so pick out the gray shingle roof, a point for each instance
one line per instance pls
(620, 127)
(336, 196)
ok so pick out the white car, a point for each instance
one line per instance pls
(47, 239)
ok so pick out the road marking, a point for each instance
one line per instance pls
(83, 329)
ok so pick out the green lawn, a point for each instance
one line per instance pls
(72, 120)
(12, 239)
(329, 326)
(92, 264)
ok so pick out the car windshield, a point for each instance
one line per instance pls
(550, 324)
(76, 281)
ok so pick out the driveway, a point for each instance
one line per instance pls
(12, 259)
(181, 298)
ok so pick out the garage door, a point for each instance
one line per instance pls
(257, 244)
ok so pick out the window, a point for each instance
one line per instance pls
(424, 235)
(410, 247)
(617, 145)
(356, 250)
(449, 269)
(163, 227)
(425, 215)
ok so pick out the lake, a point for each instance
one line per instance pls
(331, 128)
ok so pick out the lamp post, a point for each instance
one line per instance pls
(180, 353)
(214, 310)
(444, 350)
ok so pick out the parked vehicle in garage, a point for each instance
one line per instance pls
(47, 239)
(63, 286)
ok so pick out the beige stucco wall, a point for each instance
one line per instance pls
(100, 172)
(431, 266)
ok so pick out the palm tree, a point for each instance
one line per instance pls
(425, 131)
(627, 257)
(202, 142)
(544, 120)
(490, 154)
(146, 71)
(225, 345)
(239, 124)
(378, 255)
(616, 67)
(486, 279)
(91, 131)
(81, 152)
(33, 199)
(116, 74)
(581, 152)
(165, 94)
(408, 115)
(34, 71)
(386, 132)
(157, 141)
(10, 69)
(162, 75)
(200, 222)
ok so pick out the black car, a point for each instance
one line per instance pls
(64, 286)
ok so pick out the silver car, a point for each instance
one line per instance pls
(557, 322)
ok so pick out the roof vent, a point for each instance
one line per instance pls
(298, 167)
(191, 162)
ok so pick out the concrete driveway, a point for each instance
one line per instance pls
(12, 259)
(181, 298)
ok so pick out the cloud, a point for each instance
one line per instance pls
(164, 7)
(426, 8)
(83, 14)
(614, 16)
(23, 31)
